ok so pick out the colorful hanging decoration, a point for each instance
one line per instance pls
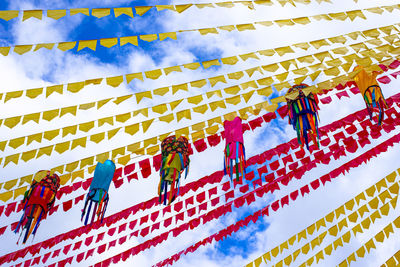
(303, 114)
(175, 159)
(37, 202)
(234, 148)
(371, 92)
(98, 191)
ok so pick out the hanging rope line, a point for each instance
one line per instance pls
(115, 81)
(63, 178)
(260, 213)
(371, 153)
(134, 40)
(371, 195)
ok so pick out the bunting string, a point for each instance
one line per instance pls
(124, 161)
(68, 205)
(116, 81)
(263, 212)
(132, 129)
(128, 170)
(8, 15)
(355, 218)
(280, 82)
(392, 260)
(359, 160)
(134, 40)
(70, 167)
(371, 244)
(344, 209)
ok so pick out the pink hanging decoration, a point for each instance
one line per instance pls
(234, 148)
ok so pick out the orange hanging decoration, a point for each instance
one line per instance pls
(371, 92)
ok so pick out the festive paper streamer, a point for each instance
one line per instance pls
(392, 260)
(242, 114)
(8, 15)
(353, 163)
(91, 159)
(91, 44)
(255, 216)
(333, 231)
(267, 81)
(87, 184)
(371, 244)
(347, 207)
(61, 147)
(74, 166)
(117, 80)
(127, 170)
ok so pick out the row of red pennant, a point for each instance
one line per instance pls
(213, 140)
(237, 202)
(224, 233)
(145, 166)
(272, 167)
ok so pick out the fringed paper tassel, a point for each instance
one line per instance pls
(99, 208)
(303, 116)
(374, 98)
(174, 183)
(238, 164)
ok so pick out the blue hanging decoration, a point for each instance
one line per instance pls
(98, 192)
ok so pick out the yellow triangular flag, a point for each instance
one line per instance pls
(22, 49)
(91, 44)
(131, 76)
(141, 95)
(118, 11)
(146, 125)
(129, 40)
(48, 46)
(65, 46)
(74, 11)
(32, 14)
(153, 74)
(229, 60)
(109, 42)
(115, 81)
(148, 37)
(141, 10)
(56, 13)
(8, 14)
(166, 35)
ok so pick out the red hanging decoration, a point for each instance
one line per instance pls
(37, 202)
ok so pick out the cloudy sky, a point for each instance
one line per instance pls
(51, 67)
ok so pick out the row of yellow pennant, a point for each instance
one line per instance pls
(56, 14)
(371, 243)
(392, 260)
(373, 196)
(134, 40)
(390, 32)
(194, 100)
(150, 146)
